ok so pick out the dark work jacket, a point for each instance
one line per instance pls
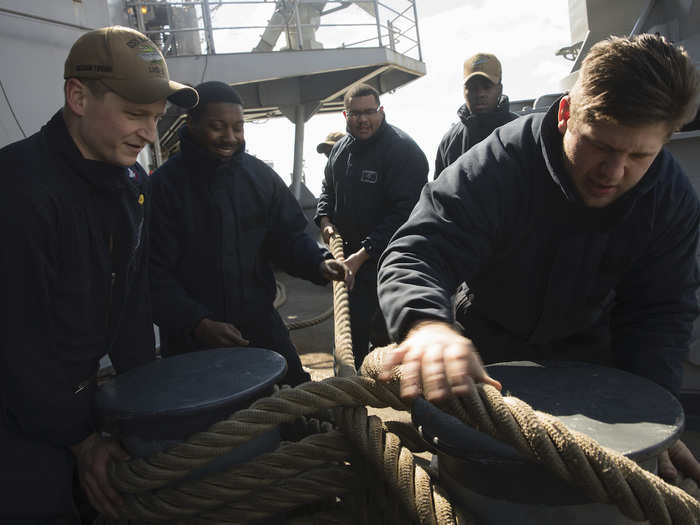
(66, 299)
(506, 218)
(370, 187)
(217, 228)
(470, 130)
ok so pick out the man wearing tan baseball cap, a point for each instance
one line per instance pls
(485, 109)
(75, 220)
(326, 146)
(127, 63)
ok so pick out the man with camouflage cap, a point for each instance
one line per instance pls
(73, 277)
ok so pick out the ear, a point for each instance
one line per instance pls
(564, 114)
(381, 110)
(345, 114)
(500, 90)
(76, 94)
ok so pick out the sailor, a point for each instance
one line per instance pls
(485, 108)
(575, 230)
(221, 219)
(372, 181)
(326, 146)
(73, 272)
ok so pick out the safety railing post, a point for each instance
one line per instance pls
(379, 25)
(139, 18)
(297, 22)
(208, 34)
(415, 21)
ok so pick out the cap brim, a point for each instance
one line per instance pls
(480, 74)
(323, 147)
(153, 91)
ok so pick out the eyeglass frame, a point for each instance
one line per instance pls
(366, 113)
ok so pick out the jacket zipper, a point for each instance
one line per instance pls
(111, 284)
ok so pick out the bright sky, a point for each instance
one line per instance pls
(524, 36)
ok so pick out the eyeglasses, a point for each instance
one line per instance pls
(365, 113)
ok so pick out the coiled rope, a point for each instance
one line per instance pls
(326, 465)
(297, 324)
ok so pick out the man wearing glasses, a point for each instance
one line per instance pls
(373, 179)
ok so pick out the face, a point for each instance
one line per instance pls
(363, 116)
(482, 95)
(219, 129)
(110, 128)
(604, 159)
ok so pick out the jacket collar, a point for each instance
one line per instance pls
(203, 162)
(553, 152)
(99, 174)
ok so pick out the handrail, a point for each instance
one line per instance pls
(296, 26)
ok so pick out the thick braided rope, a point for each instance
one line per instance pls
(143, 475)
(604, 475)
(300, 473)
(342, 351)
(422, 499)
(248, 481)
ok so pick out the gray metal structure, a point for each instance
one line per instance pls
(295, 78)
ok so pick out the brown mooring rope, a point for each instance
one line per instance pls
(339, 469)
(342, 351)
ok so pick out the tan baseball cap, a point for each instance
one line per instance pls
(129, 64)
(331, 139)
(483, 64)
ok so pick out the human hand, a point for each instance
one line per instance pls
(92, 456)
(353, 263)
(334, 270)
(327, 229)
(436, 361)
(216, 334)
(678, 461)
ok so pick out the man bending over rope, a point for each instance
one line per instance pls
(575, 231)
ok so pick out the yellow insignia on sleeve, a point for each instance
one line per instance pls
(141, 199)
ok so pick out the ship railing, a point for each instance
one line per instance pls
(201, 27)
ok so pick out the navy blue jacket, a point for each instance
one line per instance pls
(73, 287)
(217, 228)
(542, 267)
(370, 187)
(470, 130)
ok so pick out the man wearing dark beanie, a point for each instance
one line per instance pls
(220, 218)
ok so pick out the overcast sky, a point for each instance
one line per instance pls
(524, 38)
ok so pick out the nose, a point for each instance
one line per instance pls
(614, 167)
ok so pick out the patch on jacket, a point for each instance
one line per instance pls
(369, 176)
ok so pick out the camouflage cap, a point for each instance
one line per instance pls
(129, 64)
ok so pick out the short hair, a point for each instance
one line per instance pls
(636, 81)
(360, 90)
(210, 92)
(97, 89)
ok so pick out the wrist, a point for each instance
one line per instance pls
(434, 324)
